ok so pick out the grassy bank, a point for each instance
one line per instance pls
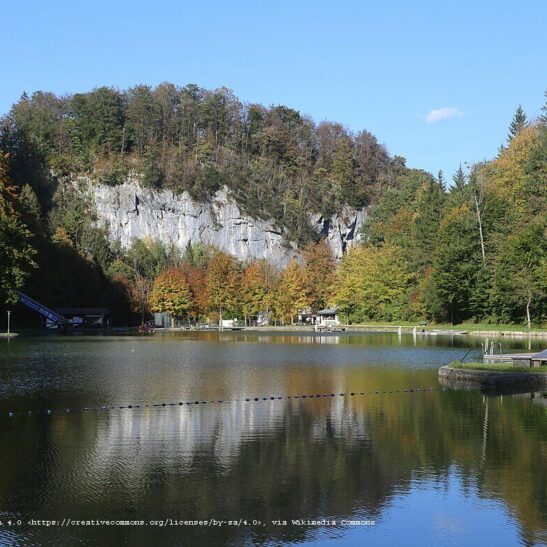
(495, 367)
(470, 327)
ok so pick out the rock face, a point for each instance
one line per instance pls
(133, 212)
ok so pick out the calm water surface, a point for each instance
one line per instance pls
(427, 467)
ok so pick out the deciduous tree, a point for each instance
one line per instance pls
(170, 294)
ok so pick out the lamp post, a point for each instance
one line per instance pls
(9, 314)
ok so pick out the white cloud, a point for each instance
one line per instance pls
(441, 114)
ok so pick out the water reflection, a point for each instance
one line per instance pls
(428, 467)
(271, 460)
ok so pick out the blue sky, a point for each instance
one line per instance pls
(382, 65)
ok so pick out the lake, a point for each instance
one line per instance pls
(352, 441)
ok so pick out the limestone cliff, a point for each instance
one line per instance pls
(131, 212)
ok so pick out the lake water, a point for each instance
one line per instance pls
(429, 467)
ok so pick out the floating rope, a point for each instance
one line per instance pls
(49, 412)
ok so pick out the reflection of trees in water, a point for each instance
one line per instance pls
(278, 460)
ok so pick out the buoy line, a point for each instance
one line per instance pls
(198, 402)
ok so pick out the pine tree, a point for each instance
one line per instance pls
(543, 116)
(441, 181)
(459, 179)
(518, 123)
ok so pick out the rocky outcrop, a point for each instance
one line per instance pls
(132, 212)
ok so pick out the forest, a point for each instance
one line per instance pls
(469, 248)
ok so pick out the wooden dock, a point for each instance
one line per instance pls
(506, 357)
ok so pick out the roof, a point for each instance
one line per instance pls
(541, 355)
(82, 311)
(327, 311)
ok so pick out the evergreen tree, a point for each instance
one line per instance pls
(441, 181)
(518, 123)
(459, 179)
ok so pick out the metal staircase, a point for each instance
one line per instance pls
(41, 309)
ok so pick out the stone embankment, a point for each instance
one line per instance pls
(493, 379)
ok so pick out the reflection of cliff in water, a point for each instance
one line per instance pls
(276, 460)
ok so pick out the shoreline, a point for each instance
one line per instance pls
(404, 329)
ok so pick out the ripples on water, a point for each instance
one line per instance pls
(433, 468)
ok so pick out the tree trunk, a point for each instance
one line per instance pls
(528, 302)
(480, 229)
(220, 320)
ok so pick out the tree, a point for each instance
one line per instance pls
(139, 296)
(429, 203)
(255, 289)
(518, 123)
(319, 273)
(348, 282)
(456, 262)
(16, 251)
(292, 293)
(170, 294)
(196, 277)
(459, 179)
(375, 283)
(520, 273)
(99, 120)
(223, 285)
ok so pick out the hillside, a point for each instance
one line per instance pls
(276, 164)
(106, 191)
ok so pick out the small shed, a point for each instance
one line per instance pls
(328, 317)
